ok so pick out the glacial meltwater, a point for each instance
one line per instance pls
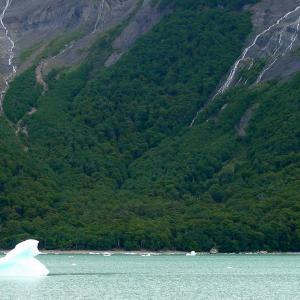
(159, 277)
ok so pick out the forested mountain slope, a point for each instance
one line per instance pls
(106, 157)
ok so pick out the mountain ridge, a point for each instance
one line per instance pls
(105, 157)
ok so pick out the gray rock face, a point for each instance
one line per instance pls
(146, 17)
(285, 35)
(272, 49)
(107, 14)
(33, 23)
(267, 12)
(30, 25)
(38, 21)
(271, 52)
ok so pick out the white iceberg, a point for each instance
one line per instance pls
(146, 254)
(21, 261)
(192, 253)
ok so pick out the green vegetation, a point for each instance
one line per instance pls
(190, 4)
(113, 163)
(26, 54)
(23, 94)
(60, 43)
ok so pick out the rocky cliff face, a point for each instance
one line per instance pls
(35, 22)
(272, 50)
(283, 40)
(53, 33)
(29, 26)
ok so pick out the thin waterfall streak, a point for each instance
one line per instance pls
(251, 64)
(289, 48)
(294, 38)
(265, 70)
(275, 56)
(100, 15)
(279, 42)
(10, 53)
(245, 52)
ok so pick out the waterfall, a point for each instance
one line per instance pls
(277, 40)
(100, 15)
(285, 47)
(10, 53)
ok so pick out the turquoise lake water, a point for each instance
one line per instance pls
(160, 277)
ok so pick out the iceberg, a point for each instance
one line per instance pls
(21, 261)
(192, 253)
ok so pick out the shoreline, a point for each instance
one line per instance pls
(147, 252)
(103, 252)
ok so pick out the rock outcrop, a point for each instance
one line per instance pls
(147, 16)
(30, 25)
(33, 24)
(272, 49)
(59, 33)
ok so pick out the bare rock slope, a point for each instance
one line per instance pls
(56, 33)
(273, 49)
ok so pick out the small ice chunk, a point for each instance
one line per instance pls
(192, 253)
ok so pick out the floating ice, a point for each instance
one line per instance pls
(21, 262)
(192, 253)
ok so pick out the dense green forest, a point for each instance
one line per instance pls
(109, 159)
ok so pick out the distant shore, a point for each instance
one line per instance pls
(148, 252)
(103, 252)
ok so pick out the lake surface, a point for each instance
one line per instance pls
(160, 277)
